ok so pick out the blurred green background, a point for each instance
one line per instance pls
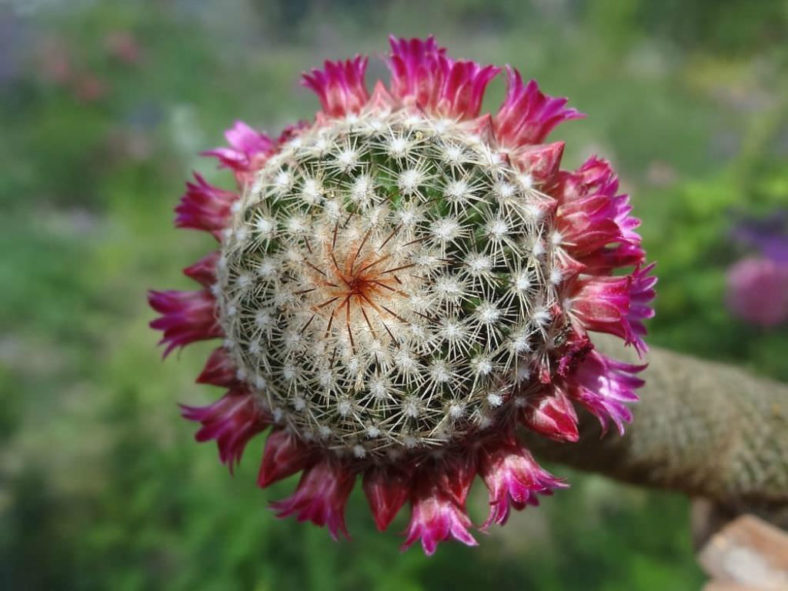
(104, 106)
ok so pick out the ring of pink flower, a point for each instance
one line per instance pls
(596, 231)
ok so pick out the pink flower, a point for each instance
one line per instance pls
(248, 151)
(284, 455)
(232, 421)
(758, 291)
(616, 305)
(553, 416)
(513, 479)
(391, 284)
(423, 73)
(340, 86)
(605, 387)
(594, 220)
(320, 497)
(527, 115)
(187, 317)
(438, 501)
(204, 207)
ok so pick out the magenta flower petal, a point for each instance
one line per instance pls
(387, 489)
(320, 497)
(605, 387)
(513, 479)
(204, 270)
(411, 64)
(527, 116)
(219, 370)
(435, 517)
(232, 421)
(540, 162)
(617, 305)
(187, 316)
(339, 86)
(248, 151)
(594, 221)
(284, 455)
(204, 207)
(422, 72)
(552, 416)
(641, 294)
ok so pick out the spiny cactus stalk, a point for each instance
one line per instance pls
(387, 282)
(400, 284)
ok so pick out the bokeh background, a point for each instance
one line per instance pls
(103, 108)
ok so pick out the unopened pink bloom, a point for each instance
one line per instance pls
(540, 163)
(219, 370)
(340, 86)
(247, 152)
(284, 455)
(187, 317)
(320, 497)
(204, 207)
(527, 115)
(386, 490)
(422, 72)
(553, 416)
(204, 270)
(758, 291)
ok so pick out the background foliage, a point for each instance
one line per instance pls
(104, 107)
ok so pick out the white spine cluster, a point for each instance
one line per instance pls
(387, 284)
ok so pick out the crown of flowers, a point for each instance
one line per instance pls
(401, 284)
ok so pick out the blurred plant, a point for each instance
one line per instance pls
(758, 291)
(56, 62)
(123, 46)
(758, 286)
(58, 65)
(768, 235)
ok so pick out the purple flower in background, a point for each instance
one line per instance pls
(769, 236)
(758, 291)
(757, 287)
